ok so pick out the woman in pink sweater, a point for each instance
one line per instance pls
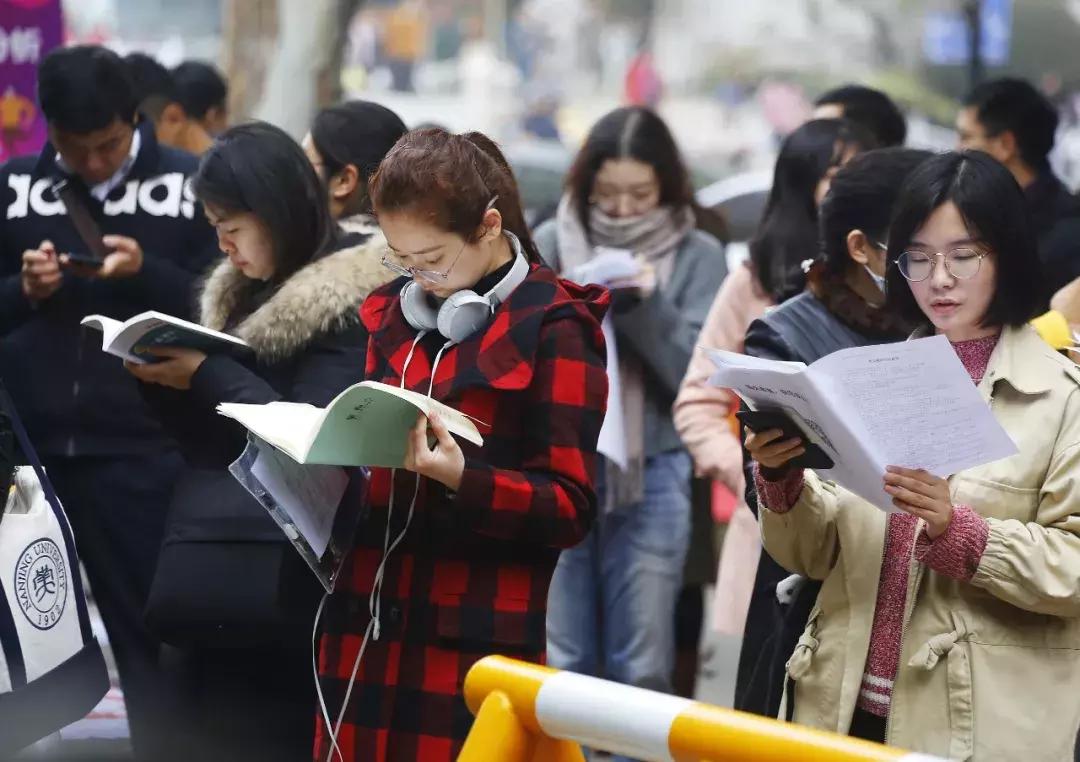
(952, 626)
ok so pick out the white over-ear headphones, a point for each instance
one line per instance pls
(464, 312)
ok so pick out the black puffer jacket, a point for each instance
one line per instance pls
(309, 347)
(802, 329)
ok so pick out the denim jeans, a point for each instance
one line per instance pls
(611, 609)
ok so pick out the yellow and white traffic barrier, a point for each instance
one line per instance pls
(528, 713)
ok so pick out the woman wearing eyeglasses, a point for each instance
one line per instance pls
(842, 306)
(454, 557)
(613, 597)
(952, 626)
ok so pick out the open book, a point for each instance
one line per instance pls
(909, 404)
(155, 329)
(368, 424)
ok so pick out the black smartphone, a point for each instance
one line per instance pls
(85, 225)
(759, 421)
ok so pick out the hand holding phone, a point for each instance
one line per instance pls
(802, 454)
(41, 275)
(124, 260)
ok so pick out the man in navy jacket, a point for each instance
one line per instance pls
(112, 465)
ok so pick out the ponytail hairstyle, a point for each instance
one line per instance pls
(787, 234)
(450, 180)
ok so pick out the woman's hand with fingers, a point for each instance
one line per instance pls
(175, 370)
(445, 462)
(771, 451)
(923, 495)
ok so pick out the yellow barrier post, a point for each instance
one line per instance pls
(502, 695)
(497, 733)
(529, 713)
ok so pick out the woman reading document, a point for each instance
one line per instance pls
(946, 627)
(454, 560)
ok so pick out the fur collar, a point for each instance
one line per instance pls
(320, 298)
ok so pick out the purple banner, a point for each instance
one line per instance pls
(28, 30)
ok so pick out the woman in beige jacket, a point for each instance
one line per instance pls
(952, 626)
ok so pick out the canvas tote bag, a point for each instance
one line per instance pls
(52, 671)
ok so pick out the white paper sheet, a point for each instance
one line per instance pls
(309, 494)
(607, 266)
(908, 404)
(612, 441)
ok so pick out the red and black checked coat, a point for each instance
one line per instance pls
(471, 577)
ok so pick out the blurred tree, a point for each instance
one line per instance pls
(304, 45)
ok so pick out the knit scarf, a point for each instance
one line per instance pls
(654, 237)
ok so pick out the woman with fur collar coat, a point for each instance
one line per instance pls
(232, 594)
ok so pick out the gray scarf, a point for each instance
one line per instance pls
(655, 237)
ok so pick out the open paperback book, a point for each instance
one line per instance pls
(368, 424)
(155, 329)
(909, 404)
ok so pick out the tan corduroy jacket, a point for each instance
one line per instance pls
(990, 668)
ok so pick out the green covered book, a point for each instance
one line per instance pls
(368, 424)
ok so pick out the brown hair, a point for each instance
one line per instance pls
(450, 179)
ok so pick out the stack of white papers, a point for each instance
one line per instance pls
(909, 404)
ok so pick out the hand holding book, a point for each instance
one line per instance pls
(175, 369)
(445, 462)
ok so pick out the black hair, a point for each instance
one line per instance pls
(359, 133)
(787, 233)
(154, 85)
(199, 88)
(85, 88)
(632, 132)
(996, 214)
(872, 110)
(258, 168)
(1014, 105)
(861, 196)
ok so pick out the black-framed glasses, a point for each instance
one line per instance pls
(962, 263)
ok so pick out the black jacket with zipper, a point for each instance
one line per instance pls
(308, 347)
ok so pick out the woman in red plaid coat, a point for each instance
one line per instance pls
(485, 525)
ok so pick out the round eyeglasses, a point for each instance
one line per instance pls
(431, 276)
(962, 264)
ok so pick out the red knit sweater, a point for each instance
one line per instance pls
(956, 553)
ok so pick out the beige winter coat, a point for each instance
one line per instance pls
(990, 669)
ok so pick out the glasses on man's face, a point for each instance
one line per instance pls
(962, 263)
(431, 276)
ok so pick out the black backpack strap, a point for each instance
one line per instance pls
(61, 518)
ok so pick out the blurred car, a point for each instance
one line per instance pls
(540, 167)
(741, 200)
